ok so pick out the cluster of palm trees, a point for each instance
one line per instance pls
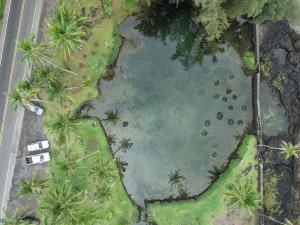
(61, 200)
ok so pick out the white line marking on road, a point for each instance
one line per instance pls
(5, 108)
(11, 72)
(2, 205)
(5, 32)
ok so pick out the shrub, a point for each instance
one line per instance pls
(265, 69)
(115, 48)
(249, 60)
(99, 64)
(130, 5)
(279, 82)
(107, 8)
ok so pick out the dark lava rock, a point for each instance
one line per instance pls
(225, 99)
(240, 122)
(204, 133)
(220, 115)
(231, 76)
(207, 123)
(294, 57)
(297, 44)
(216, 96)
(230, 107)
(125, 124)
(217, 82)
(228, 91)
(230, 122)
(244, 108)
(286, 44)
(214, 154)
(234, 97)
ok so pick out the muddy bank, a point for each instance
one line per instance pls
(280, 58)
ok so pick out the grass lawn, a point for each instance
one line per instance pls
(2, 6)
(210, 208)
(118, 209)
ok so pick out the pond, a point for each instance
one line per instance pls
(183, 102)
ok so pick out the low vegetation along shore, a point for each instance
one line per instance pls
(216, 205)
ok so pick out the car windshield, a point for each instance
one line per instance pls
(29, 160)
(40, 145)
(42, 158)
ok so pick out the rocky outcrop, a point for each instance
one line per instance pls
(280, 49)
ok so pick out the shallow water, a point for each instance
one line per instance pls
(171, 108)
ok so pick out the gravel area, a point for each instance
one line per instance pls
(31, 131)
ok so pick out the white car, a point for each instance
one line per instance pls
(38, 158)
(35, 109)
(36, 146)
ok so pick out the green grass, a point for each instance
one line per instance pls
(104, 42)
(249, 60)
(211, 205)
(118, 210)
(2, 6)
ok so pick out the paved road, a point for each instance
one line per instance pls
(23, 19)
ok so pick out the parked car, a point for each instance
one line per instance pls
(35, 109)
(38, 158)
(39, 145)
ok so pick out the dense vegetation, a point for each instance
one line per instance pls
(83, 184)
(216, 15)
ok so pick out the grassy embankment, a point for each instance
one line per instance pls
(2, 6)
(103, 41)
(211, 208)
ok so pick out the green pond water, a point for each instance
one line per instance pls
(182, 103)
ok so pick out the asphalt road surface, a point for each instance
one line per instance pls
(23, 19)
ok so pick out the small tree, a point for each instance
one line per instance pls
(65, 30)
(243, 195)
(61, 127)
(61, 205)
(32, 187)
(288, 149)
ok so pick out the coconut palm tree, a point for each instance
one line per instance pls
(243, 195)
(288, 149)
(32, 187)
(66, 165)
(37, 53)
(46, 75)
(61, 126)
(57, 91)
(65, 30)
(112, 117)
(124, 145)
(105, 192)
(61, 205)
(33, 53)
(103, 169)
(22, 96)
